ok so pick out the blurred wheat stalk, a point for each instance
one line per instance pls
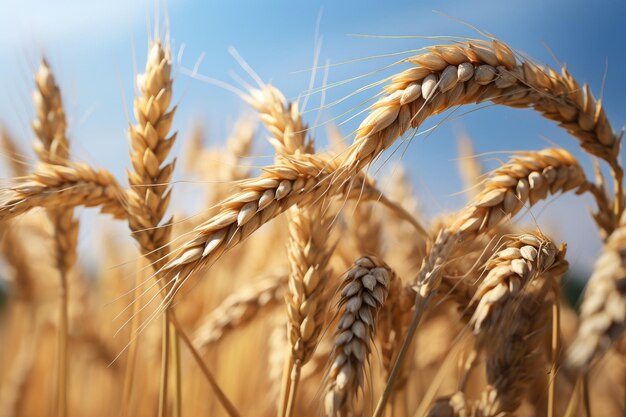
(349, 304)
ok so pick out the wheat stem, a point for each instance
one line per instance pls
(177, 383)
(165, 354)
(293, 388)
(129, 374)
(555, 349)
(52, 147)
(285, 387)
(420, 306)
(62, 361)
(572, 404)
(585, 395)
(222, 398)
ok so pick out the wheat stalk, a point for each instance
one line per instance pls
(53, 147)
(450, 75)
(149, 193)
(363, 293)
(22, 282)
(393, 320)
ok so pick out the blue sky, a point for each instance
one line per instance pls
(92, 46)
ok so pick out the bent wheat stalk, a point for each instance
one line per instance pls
(477, 71)
(55, 186)
(303, 180)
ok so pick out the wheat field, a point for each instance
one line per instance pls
(308, 287)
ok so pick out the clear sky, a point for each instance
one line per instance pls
(92, 46)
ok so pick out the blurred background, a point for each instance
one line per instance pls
(95, 48)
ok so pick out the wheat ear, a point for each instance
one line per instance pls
(604, 217)
(150, 193)
(603, 311)
(148, 200)
(240, 308)
(526, 179)
(523, 259)
(512, 356)
(21, 277)
(52, 147)
(57, 187)
(299, 180)
(363, 293)
(282, 119)
(476, 71)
